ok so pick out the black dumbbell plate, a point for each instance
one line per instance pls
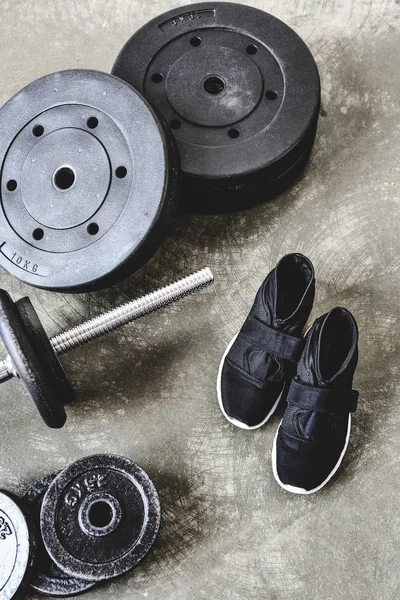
(34, 359)
(241, 91)
(100, 517)
(48, 579)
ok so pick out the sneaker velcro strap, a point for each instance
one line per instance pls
(275, 342)
(325, 400)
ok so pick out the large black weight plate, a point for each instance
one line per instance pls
(48, 579)
(16, 548)
(31, 360)
(89, 181)
(100, 517)
(240, 89)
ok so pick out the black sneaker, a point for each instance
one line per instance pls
(313, 435)
(263, 355)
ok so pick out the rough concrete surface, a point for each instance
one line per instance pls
(148, 391)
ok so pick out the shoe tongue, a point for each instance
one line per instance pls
(271, 308)
(314, 356)
(308, 366)
(263, 364)
(321, 357)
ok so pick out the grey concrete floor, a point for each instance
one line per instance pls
(148, 391)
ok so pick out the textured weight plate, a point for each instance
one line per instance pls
(100, 517)
(89, 181)
(241, 91)
(48, 579)
(246, 192)
(16, 548)
(42, 379)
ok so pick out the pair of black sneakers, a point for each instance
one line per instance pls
(269, 356)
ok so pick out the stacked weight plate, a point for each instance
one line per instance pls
(95, 520)
(241, 92)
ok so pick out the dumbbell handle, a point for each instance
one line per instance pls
(110, 320)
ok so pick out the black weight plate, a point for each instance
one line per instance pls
(240, 89)
(246, 192)
(31, 367)
(57, 381)
(100, 517)
(48, 579)
(16, 548)
(89, 181)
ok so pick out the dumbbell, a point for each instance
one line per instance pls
(32, 356)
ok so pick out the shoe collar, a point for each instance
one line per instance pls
(323, 320)
(310, 273)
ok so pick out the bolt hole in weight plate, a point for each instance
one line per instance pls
(100, 517)
(16, 548)
(48, 579)
(89, 181)
(241, 92)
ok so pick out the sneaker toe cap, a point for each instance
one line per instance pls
(304, 466)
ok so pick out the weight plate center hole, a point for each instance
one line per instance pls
(64, 178)
(100, 514)
(214, 85)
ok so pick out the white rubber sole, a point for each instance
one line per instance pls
(219, 394)
(298, 490)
